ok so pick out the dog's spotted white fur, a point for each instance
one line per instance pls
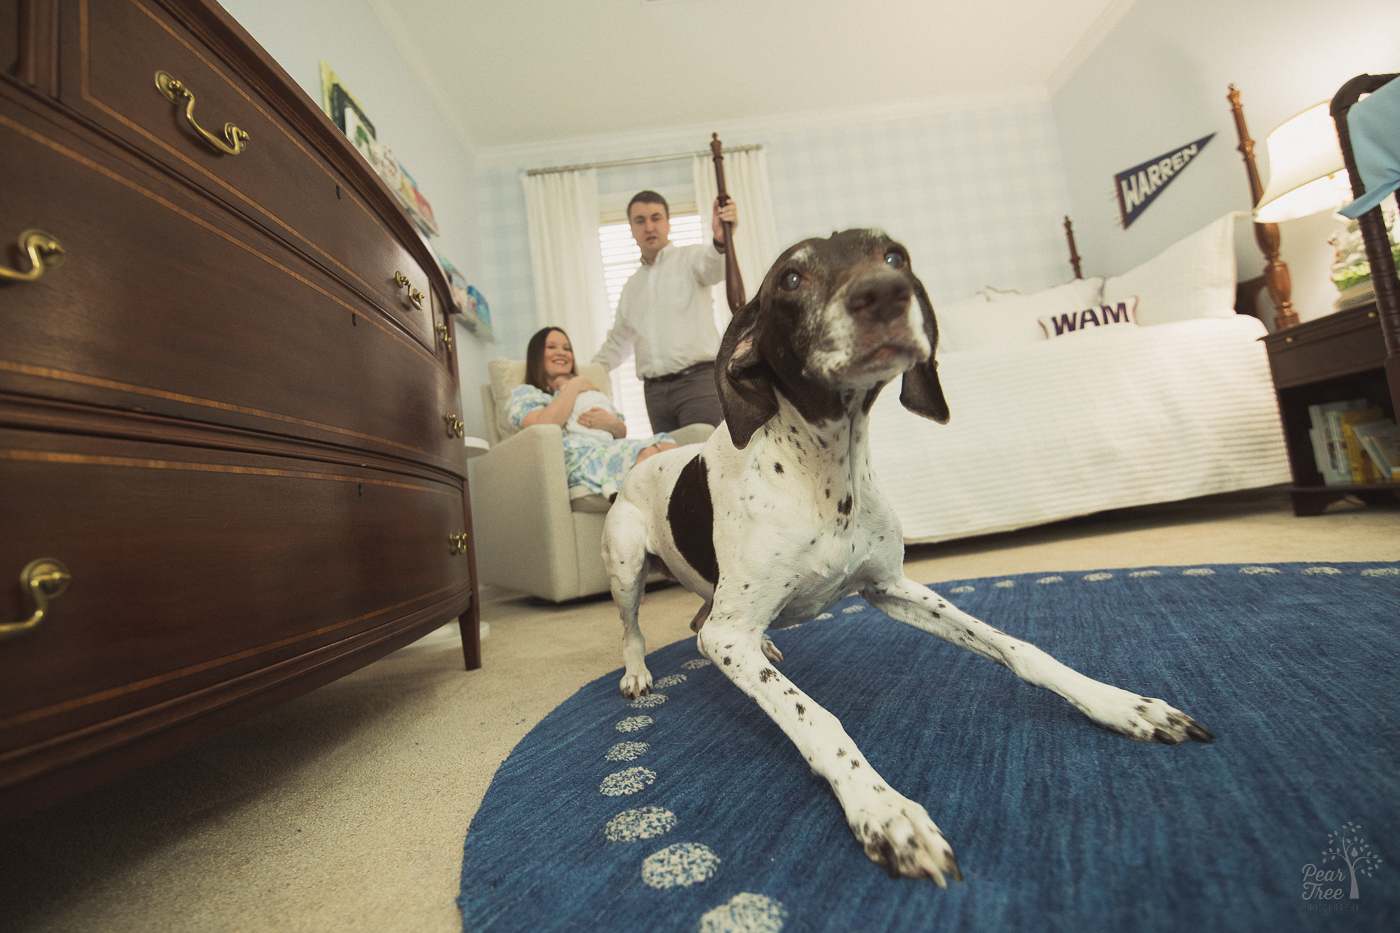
(799, 524)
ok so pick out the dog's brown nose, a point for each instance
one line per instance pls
(881, 295)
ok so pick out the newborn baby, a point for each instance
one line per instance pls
(586, 401)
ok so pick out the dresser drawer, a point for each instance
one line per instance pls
(113, 51)
(192, 568)
(168, 304)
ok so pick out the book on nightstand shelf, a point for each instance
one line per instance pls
(1381, 440)
(1362, 470)
(1329, 440)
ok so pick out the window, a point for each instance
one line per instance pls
(621, 257)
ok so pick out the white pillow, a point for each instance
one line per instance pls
(1015, 319)
(1192, 278)
(1091, 320)
(1010, 319)
(958, 322)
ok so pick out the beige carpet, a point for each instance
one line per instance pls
(346, 809)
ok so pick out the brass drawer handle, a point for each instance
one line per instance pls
(174, 89)
(456, 427)
(43, 579)
(414, 295)
(457, 544)
(43, 251)
(445, 335)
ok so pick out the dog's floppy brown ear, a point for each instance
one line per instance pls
(922, 393)
(743, 378)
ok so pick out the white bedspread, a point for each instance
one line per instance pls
(1075, 425)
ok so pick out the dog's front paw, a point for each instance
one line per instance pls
(634, 685)
(1168, 726)
(1147, 719)
(900, 837)
(770, 650)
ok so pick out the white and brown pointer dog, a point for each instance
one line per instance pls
(777, 517)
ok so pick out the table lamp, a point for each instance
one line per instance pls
(1306, 171)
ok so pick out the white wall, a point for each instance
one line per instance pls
(974, 188)
(348, 35)
(1159, 80)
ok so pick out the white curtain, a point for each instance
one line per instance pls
(756, 239)
(562, 209)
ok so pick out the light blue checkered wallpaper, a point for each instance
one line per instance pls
(978, 195)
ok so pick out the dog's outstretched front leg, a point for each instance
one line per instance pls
(625, 556)
(895, 832)
(1141, 718)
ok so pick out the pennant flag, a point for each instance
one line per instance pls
(1140, 185)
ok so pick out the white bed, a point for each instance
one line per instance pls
(1176, 403)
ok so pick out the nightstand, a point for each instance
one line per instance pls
(1328, 359)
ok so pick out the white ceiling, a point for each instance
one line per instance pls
(515, 72)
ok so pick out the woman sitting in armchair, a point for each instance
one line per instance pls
(597, 464)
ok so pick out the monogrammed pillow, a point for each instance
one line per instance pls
(1010, 319)
(1092, 319)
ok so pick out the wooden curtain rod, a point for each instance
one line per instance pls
(640, 160)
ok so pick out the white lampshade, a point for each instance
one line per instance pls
(1306, 171)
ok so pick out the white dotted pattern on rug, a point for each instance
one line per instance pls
(680, 866)
(642, 823)
(626, 782)
(745, 913)
(627, 751)
(1187, 572)
(683, 864)
(849, 609)
(825, 615)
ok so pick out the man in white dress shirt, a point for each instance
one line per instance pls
(665, 315)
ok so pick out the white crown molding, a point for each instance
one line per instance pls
(402, 38)
(744, 130)
(1093, 37)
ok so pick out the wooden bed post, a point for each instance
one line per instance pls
(1073, 253)
(733, 282)
(1276, 277)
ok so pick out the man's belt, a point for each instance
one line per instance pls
(689, 370)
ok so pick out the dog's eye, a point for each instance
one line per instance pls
(791, 281)
(895, 259)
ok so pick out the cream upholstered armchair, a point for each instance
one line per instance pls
(530, 535)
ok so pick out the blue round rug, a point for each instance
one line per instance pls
(690, 810)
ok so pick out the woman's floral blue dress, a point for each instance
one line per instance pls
(592, 466)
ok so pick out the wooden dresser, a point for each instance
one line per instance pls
(229, 438)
